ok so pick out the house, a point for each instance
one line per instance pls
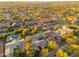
(34, 38)
(50, 35)
(41, 43)
(9, 47)
(13, 37)
(6, 23)
(63, 31)
(17, 24)
(30, 23)
(7, 15)
(77, 19)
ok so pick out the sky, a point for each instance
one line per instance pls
(39, 0)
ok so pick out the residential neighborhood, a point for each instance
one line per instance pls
(39, 29)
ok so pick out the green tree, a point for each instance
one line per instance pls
(15, 32)
(63, 39)
(76, 32)
(56, 28)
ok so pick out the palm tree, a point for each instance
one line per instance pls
(16, 52)
(4, 40)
